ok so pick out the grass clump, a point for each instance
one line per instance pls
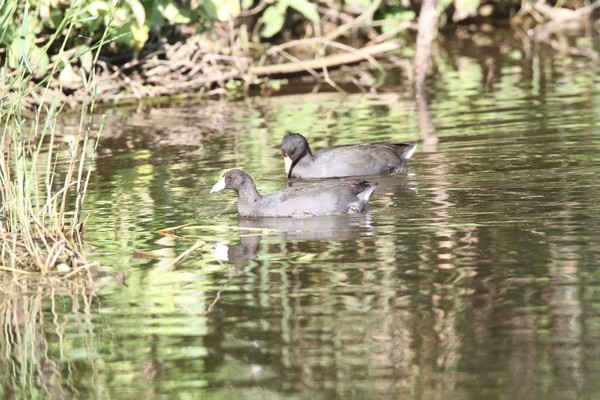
(44, 175)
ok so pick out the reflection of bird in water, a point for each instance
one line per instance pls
(245, 250)
(317, 228)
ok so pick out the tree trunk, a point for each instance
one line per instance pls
(427, 32)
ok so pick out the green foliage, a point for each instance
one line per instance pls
(131, 23)
(273, 19)
(235, 88)
(274, 16)
(222, 10)
(396, 14)
(41, 22)
(24, 50)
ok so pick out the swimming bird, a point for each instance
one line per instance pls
(315, 199)
(344, 160)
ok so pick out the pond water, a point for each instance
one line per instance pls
(474, 275)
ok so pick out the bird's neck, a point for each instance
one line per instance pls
(306, 158)
(248, 195)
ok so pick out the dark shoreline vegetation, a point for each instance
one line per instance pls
(154, 49)
(95, 52)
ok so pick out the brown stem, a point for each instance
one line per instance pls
(425, 36)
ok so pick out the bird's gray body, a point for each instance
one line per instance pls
(315, 199)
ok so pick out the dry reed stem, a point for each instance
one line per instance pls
(356, 22)
(185, 254)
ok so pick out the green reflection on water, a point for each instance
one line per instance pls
(472, 276)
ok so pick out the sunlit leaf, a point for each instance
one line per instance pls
(357, 4)
(306, 8)
(407, 15)
(25, 51)
(233, 85)
(223, 10)
(273, 18)
(44, 10)
(98, 7)
(443, 4)
(138, 10)
(7, 35)
(210, 8)
(174, 15)
(68, 77)
(229, 10)
(85, 58)
(6, 15)
(35, 25)
(392, 20)
(140, 35)
(276, 84)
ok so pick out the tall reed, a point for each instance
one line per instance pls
(43, 180)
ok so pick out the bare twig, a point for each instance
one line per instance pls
(253, 11)
(185, 254)
(391, 33)
(366, 53)
(356, 22)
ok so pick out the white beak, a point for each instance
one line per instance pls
(218, 186)
(288, 165)
(408, 155)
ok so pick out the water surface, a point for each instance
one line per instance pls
(473, 275)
